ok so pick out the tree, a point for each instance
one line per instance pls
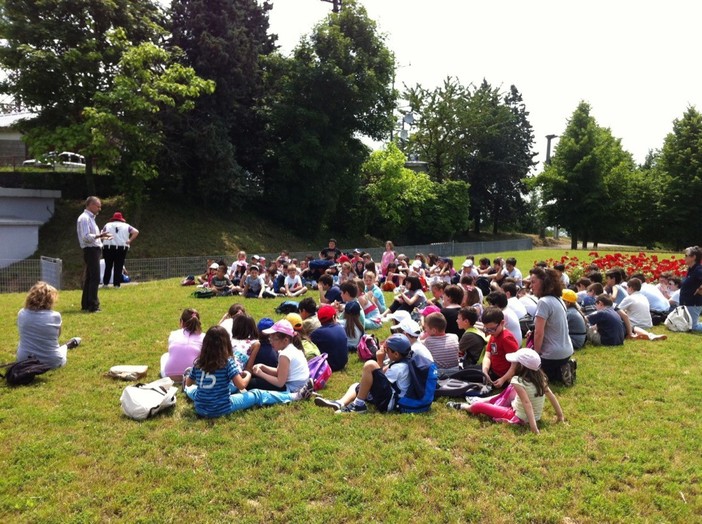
(400, 203)
(573, 186)
(681, 161)
(220, 144)
(335, 87)
(127, 133)
(480, 136)
(58, 57)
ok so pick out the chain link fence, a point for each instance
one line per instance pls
(19, 275)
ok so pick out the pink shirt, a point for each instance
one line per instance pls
(183, 348)
(388, 258)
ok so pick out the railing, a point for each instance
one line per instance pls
(19, 276)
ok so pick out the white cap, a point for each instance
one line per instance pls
(214, 265)
(527, 357)
(400, 315)
(410, 327)
(468, 263)
(417, 264)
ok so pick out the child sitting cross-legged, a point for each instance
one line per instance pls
(523, 401)
(381, 385)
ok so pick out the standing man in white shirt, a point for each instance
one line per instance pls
(90, 240)
(114, 250)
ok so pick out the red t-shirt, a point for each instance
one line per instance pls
(499, 346)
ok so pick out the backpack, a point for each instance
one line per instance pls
(23, 372)
(319, 371)
(288, 306)
(468, 382)
(145, 400)
(203, 293)
(367, 347)
(679, 320)
(424, 376)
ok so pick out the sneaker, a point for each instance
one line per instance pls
(306, 391)
(73, 343)
(454, 405)
(186, 374)
(568, 373)
(324, 403)
(352, 408)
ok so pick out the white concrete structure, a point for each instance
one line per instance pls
(22, 213)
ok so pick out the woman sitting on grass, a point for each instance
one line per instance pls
(184, 346)
(40, 328)
(523, 401)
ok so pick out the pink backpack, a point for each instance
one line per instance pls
(367, 347)
(319, 371)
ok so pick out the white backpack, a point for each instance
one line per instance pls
(679, 320)
(145, 400)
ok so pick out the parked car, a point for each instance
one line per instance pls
(65, 159)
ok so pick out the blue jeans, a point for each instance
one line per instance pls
(248, 399)
(695, 316)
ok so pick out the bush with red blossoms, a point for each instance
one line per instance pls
(650, 265)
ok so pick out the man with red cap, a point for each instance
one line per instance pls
(114, 250)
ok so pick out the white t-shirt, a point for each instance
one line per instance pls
(517, 307)
(512, 324)
(529, 302)
(398, 373)
(120, 232)
(293, 282)
(420, 349)
(637, 307)
(298, 373)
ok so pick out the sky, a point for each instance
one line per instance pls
(637, 63)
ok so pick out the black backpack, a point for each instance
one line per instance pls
(23, 372)
(470, 381)
(288, 306)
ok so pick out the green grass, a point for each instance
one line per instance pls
(628, 452)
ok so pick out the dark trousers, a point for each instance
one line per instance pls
(91, 278)
(552, 368)
(114, 256)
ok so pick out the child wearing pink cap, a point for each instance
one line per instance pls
(523, 401)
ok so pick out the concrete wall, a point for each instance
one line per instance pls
(18, 238)
(22, 213)
(28, 204)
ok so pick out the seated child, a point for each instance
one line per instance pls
(637, 313)
(380, 385)
(328, 292)
(183, 346)
(292, 285)
(254, 285)
(606, 326)
(472, 343)
(500, 344)
(221, 283)
(523, 401)
(442, 346)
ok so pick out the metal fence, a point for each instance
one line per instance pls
(20, 275)
(17, 276)
(142, 269)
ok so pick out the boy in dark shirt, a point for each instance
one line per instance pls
(606, 326)
(472, 343)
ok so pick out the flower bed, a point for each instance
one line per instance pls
(650, 265)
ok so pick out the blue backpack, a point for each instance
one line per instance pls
(424, 376)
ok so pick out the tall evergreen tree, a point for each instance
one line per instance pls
(681, 160)
(218, 148)
(336, 86)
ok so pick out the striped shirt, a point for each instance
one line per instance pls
(444, 349)
(212, 395)
(88, 230)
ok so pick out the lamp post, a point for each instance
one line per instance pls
(336, 5)
(548, 161)
(548, 147)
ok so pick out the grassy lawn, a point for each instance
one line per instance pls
(628, 452)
